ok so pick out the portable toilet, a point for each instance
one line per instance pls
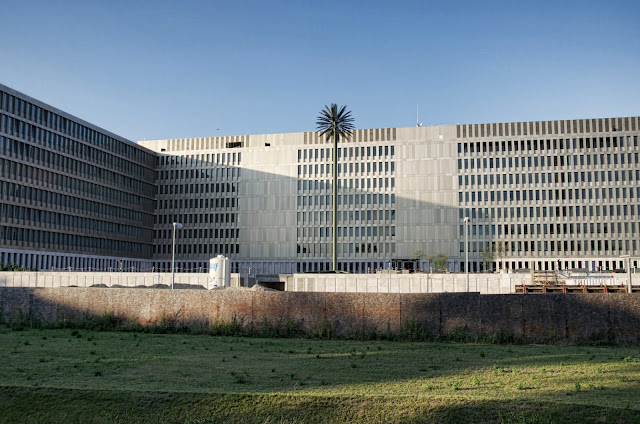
(219, 272)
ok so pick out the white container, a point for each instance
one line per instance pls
(219, 272)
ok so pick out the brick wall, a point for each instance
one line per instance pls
(553, 318)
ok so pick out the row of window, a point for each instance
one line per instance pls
(351, 232)
(348, 199)
(364, 168)
(210, 174)
(549, 145)
(549, 178)
(71, 262)
(546, 230)
(603, 160)
(37, 217)
(64, 241)
(541, 212)
(345, 249)
(187, 249)
(549, 211)
(197, 218)
(198, 233)
(191, 189)
(202, 189)
(557, 247)
(362, 153)
(579, 194)
(216, 203)
(70, 185)
(79, 168)
(365, 267)
(41, 116)
(31, 195)
(351, 216)
(51, 141)
(200, 160)
(348, 184)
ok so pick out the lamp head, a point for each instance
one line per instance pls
(177, 225)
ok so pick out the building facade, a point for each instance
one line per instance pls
(72, 195)
(551, 194)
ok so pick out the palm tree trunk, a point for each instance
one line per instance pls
(334, 234)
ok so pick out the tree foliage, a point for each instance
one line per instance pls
(439, 261)
(419, 255)
(500, 248)
(335, 122)
(12, 268)
(496, 251)
(487, 256)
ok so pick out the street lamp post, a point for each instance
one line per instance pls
(466, 249)
(389, 288)
(630, 288)
(630, 276)
(173, 253)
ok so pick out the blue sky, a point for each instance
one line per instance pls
(172, 69)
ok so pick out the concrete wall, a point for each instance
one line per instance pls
(108, 279)
(430, 283)
(558, 318)
(339, 283)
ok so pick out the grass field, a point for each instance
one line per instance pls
(111, 377)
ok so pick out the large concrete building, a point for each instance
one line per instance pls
(72, 195)
(553, 193)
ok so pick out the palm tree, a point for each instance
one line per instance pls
(335, 122)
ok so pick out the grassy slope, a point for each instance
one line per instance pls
(67, 376)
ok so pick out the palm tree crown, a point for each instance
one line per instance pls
(334, 121)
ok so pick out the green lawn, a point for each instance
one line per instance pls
(83, 376)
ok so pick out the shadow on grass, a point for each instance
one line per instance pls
(24, 405)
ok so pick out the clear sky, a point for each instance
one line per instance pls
(173, 69)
